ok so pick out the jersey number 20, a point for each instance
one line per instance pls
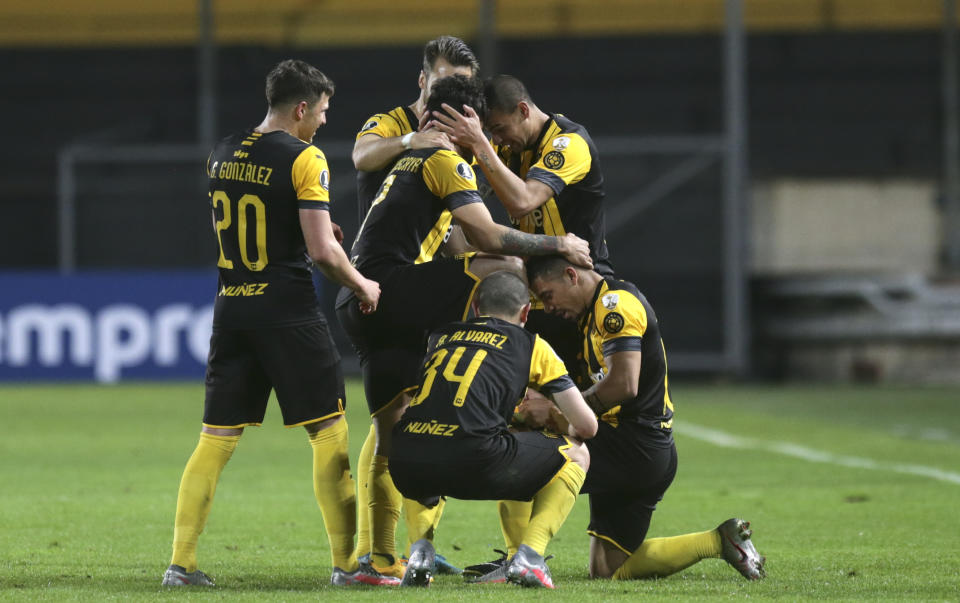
(260, 224)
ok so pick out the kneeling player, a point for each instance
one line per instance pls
(633, 457)
(454, 441)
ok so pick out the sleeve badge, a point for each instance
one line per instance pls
(610, 301)
(370, 125)
(553, 160)
(613, 322)
(561, 142)
(325, 179)
(464, 170)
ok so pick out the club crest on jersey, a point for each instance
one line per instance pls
(613, 322)
(560, 143)
(369, 125)
(325, 180)
(553, 160)
(610, 301)
(464, 170)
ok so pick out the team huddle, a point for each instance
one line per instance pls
(500, 362)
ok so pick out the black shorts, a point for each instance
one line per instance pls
(564, 336)
(514, 466)
(391, 342)
(625, 482)
(301, 363)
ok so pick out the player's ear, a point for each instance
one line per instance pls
(422, 80)
(524, 313)
(571, 273)
(300, 110)
(524, 109)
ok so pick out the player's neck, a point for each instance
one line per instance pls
(537, 120)
(274, 122)
(588, 283)
(418, 107)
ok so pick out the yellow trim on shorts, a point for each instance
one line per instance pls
(476, 282)
(239, 426)
(340, 411)
(394, 400)
(610, 540)
(323, 418)
(561, 450)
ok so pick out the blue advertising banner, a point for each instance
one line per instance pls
(105, 326)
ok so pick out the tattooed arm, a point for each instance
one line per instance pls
(486, 235)
(518, 196)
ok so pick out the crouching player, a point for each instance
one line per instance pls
(454, 440)
(634, 458)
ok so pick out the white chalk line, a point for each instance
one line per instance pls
(728, 440)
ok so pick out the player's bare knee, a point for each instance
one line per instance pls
(222, 431)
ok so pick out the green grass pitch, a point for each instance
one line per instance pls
(854, 493)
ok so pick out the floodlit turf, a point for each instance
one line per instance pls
(856, 510)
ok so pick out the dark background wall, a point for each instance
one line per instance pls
(820, 104)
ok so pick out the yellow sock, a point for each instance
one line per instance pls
(514, 518)
(421, 521)
(197, 486)
(659, 557)
(334, 489)
(385, 501)
(551, 505)
(363, 492)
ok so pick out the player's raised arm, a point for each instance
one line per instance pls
(371, 152)
(486, 235)
(517, 195)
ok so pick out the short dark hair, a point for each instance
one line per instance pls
(546, 267)
(504, 93)
(293, 80)
(453, 50)
(457, 91)
(501, 293)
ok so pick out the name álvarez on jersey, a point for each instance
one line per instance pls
(475, 373)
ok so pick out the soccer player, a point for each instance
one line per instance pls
(396, 245)
(383, 138)
(633, 456)
(545, 170)
(268, 191)
(454, 440)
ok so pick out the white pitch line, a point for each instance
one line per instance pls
(728, 440)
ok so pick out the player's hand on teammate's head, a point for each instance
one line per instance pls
(431, 139)
(464, 128)
(369, 295)
(576, 250)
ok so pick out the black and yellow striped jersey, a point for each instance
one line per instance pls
(565, 159)
(473, 376)
(396, 122)
(410, 217)
(257, 185)
(621, 319)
